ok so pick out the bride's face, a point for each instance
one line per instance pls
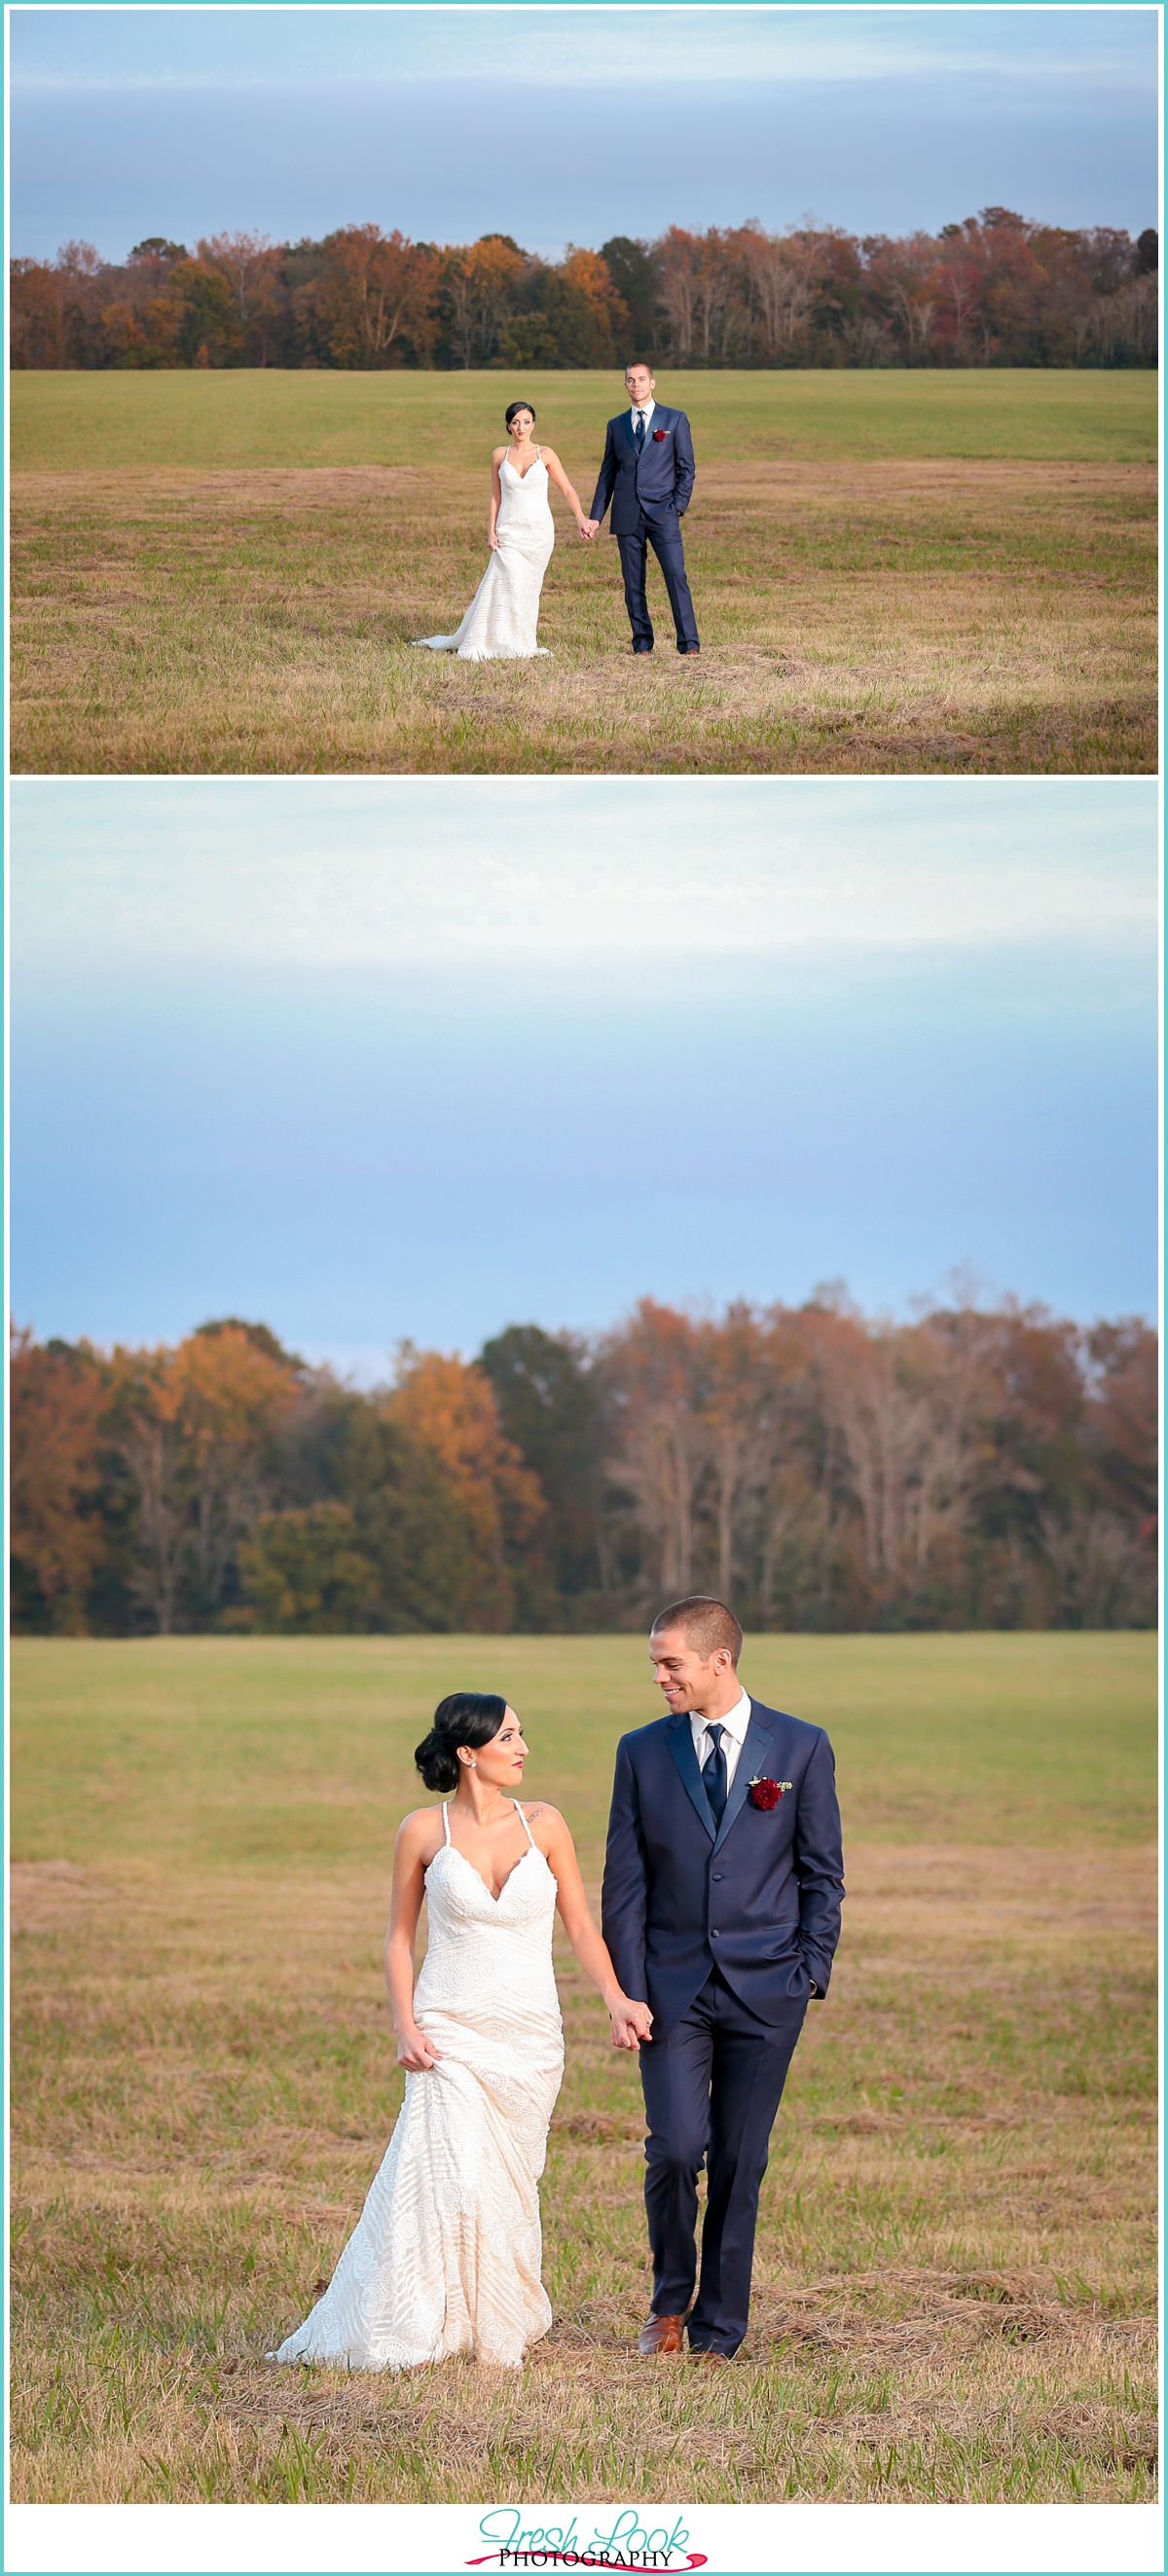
(499, 1763)
(521, 427)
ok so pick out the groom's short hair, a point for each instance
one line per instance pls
(705, 1624)
(638, 362)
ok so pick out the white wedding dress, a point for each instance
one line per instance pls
(500, 624)
(445, 2256)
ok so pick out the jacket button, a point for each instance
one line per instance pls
(715, 1936)
(717, 1877)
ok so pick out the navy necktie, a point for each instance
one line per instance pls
(714, 1773)
(639, 432)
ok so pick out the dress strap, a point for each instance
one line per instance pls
(523, 1821)
(446, 1820)
(538, 457)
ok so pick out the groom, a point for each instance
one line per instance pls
(721, 1905)
(648, 475)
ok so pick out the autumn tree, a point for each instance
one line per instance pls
(588, 274)
(969, 1467)
(449, 1410)
(375, 299)
(36, 315)
(551, 1409)
(56, 1401)
(250, 265)
(192, 1426)
(658, 1458)
(633, 274)
(481, 290)
(991, 289)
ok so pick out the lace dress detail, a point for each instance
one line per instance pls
(500, 624)
(446, 2254)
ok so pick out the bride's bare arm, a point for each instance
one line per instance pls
(412, 1854)
(559, 478)
(496, 497)
(631, 2021)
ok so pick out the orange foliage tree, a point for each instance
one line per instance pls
(375, 298)
(991, 290)
(450, 1410)
(971, 1467)
(192, 1426)
(55, 1411)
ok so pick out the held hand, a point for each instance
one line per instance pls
(590, 528)
(416, 2053)
(629, 2023)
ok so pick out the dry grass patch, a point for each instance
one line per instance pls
(950, 614)
(955, 2278)
(955, 2275)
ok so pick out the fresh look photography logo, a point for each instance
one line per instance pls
(629, 2543)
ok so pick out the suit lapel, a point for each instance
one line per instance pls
(630, 434)
(749, 1765)
(681, 1745)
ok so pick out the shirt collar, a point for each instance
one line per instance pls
(736, 1720)
(648, 408)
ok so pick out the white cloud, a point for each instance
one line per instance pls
(310, 872)
(192, 50)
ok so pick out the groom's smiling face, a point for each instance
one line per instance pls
(638, 386)
(687, 1679)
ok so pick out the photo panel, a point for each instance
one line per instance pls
(453, 1220)
(322, 357)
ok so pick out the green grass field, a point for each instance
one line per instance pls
(82, 423)
(955, 2276)
(893, 571)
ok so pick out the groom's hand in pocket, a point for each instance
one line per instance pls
(629, 2023)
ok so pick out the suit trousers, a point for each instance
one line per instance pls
(712, 2089)
(665, 539)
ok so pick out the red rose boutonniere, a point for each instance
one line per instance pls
(767, 1793)
(660, 434)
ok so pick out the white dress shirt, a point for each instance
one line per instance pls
(638, 411)
(734, 1726)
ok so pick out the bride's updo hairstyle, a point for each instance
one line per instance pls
(466, 1717)
(512, 413)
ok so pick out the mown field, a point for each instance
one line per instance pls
(893, 571)
(954, 2285)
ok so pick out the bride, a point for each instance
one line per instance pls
(445, 2257)
(500, 624)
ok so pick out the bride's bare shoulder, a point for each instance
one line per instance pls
(497, 455)
(421, 1830)
(537, 1811)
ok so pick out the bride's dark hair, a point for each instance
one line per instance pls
(514, 408)
(465, 1717)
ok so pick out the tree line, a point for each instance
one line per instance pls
(993, 290)
(821, 1469)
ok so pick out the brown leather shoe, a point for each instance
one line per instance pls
(660, 2334)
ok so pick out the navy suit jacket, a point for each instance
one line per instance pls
(657, 479)
(757, 1896)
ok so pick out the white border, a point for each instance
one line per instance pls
(729, 2540)
(71, 2540)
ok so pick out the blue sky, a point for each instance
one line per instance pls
(423, 1057)
(569, 124)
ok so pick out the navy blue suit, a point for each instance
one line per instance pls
(649, 488)
(724, 1930)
